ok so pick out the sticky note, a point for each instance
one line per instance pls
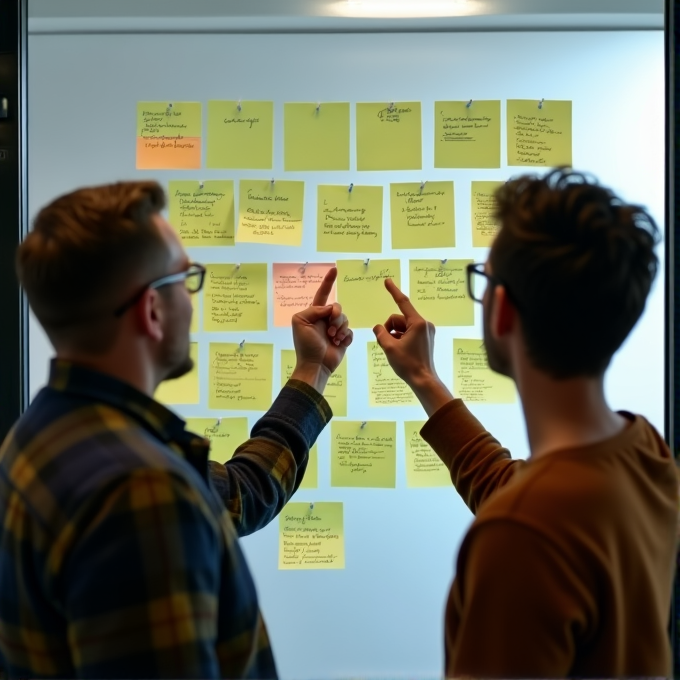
(385, 387)
(364, 456)
(539, 136)
(438, 290)
(169, 135)
(202, 213)
(311, 478)
(422, 216)
(473, 380)
(389, 136)
(349, 221)
(316, 136)
(467, 136)
(225, 435)
(424, 468)
(336, 388)
(484, 225)
(270, 212)
(362, 292)
(311, 537)
(295, 285)
(195, 314)
(182, 390)
(235, 297)
(240, 139)
(240, 378)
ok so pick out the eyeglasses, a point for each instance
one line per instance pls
(478, 281)
(193, 278)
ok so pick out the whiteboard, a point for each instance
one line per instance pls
(383, 615)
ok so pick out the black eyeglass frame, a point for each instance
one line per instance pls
(193, 270)
(478, 268)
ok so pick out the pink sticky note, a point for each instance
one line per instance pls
(295, 286)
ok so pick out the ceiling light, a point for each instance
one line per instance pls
(405, 8)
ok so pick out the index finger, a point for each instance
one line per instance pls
(404, 304)
(321, 295)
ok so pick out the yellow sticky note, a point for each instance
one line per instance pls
(316, 136)
(169, 135)
(225, 435)
(182, 390)
(295, 286)
(467, 134)
(424, 468)
(235, 297)
(311, 536)
(202, 213)
(473, 380)
(484, 225)
(336, 389)
(439, 292)
(362, 292)
(240, 378)
(240, 139)
(311, 478)
(349, 221)
(539, 136)
(270, 212)
(195, 306)
(364, 456)
(385, 387)
(389, 136)
(422, 215)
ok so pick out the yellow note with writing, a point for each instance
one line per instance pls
(270, 212)
(240, 138)
(182, 390)
(422, 215)
(295, 286)
(364, 454)
(362, 293)
(240, 377)
(336, 389)
(424, 468)
(311, 536)
(539, 136)
(202, 213)
(385, 387)
(467, 134)
(439, 292)
(389, 136)
(225, 435)
(349, 221)
(473, 380)
(235, 297)
(484, 225)
(316, 136)
(311, 478)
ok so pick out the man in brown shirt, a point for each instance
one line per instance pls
(568, 566)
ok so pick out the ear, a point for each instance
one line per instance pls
(503, 313)
(149, 315)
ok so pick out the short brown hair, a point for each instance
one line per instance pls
(578, 263)
(82, 253)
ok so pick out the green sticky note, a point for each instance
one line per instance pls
(349, 221)
(473, 380)
(467, 134)
(385, 387)
(225, 435)
(316, 136)
(311, 478)
(438, 290)
(539, 136)
(364, 454)
(483, 208)
(422, 215)
(389, 136)
(240, 139)
(240, 377)
(235, 298)
(424, 468)
(362, 292)
(202, 213)
(182, 390)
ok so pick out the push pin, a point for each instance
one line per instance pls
(201, 184)
(469, 104)
(304, 267)
(351, 186)
(170, 105)
(273, 181)
(444, 261)
(240, 344)
(219, 422)
(366, 261)
(238, 266)
(391, 106)
(422, 186)
(318, 107)
(363, 424)
(311, 506)
(238, 106)
(540, 104)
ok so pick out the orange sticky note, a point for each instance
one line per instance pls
(295, 286)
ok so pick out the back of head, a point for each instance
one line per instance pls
(85, 251)
(578, 263)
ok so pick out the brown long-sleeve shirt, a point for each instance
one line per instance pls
(567, 568)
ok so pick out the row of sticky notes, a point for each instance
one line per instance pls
(316, 136)
(240, 378)
(349, 218)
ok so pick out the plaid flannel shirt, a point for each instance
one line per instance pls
(118, 548)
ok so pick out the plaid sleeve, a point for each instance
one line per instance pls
(141, 581)
(266, 470)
